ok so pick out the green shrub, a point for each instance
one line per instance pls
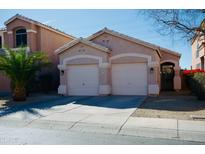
(197, 84)
(46, 82)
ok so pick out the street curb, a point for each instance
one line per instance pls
(153, 132)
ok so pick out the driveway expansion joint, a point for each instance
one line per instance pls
(30, 122)
(79, 121)
(124, 123)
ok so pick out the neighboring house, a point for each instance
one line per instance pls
(198, 52)
(22, 31)
(109, 62)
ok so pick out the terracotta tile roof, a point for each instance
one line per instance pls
(147, 44)
(37, 23)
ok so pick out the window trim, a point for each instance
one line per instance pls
(21, 34)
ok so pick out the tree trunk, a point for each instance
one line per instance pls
(19, 93)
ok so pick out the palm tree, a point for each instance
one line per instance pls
(20, 66)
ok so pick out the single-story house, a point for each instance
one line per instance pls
(111, 63)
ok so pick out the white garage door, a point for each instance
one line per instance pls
(83, 80)
(129, 79)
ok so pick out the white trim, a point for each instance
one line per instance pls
(61, 67)
(31, 31)
(153, 64)
(104, 89)
(104, 65)
(153, 89)
(27, 49)
(9, 32)
(62, 89)
(83, 41)
(149, 59)
(80, 56)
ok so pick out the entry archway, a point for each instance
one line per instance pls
(167, 76)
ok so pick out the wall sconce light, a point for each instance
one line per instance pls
(62, 72)
(151, 70)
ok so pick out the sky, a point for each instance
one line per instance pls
(82, 23)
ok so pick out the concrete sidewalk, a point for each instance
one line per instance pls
(165, 128)
(133, 126)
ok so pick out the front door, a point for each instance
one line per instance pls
(167, 76)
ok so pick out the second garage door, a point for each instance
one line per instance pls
(83, 80)
(129, 79)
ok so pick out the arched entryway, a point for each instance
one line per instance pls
(167, 76)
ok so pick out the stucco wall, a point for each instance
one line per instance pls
(168, 57)
(18, 23)
(38, 39)
(50, 41)
(119, 46)
(82, 49)
(197, 60)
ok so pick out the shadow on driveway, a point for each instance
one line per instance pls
(43, 103)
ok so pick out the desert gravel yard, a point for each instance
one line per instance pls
(181, 106)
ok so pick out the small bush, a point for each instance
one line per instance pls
(46, 80)
(198, 85)
(195, 80)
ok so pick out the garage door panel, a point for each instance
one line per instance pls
(83, 80)
(129, 79)
(81, 92)
(124, 90)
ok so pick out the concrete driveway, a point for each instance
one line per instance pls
(79, 113)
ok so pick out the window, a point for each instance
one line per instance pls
(0, 42)
(197, 50)
(21, 37)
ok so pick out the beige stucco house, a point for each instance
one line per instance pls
(198, 52)
(109, 62)
(20, 30)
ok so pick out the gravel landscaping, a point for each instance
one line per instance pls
(172, 105)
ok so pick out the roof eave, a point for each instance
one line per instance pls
(73, 43)
(37, 23)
